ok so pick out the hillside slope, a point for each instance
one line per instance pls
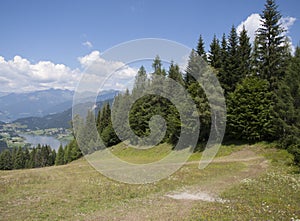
(238, 185)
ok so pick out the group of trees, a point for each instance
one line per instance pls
(261, 84)
(20, 158)
(260, 81)
(68, 153)
(39, 156)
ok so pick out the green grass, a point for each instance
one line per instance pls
(134, 155)
(272, 196)
(77, 192)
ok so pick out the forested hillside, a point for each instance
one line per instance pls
(261, 84)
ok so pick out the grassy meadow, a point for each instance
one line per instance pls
(254, 182)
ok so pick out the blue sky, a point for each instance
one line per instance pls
(60, 31)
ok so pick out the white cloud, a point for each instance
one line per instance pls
(287, 22)
(254, 21)
(87, 44)
(101, 74)
(19, 75)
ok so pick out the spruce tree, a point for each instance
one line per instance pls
(244, 54)
(67, 154)
(249, 111)
(214, 57)
(188, 77)
(157, 67)
(270, 46)
(231, 75)
(200, 49)
(76, 152)
(224, 53)
(32, 159)
(6, 160)
(175, 74)
(140, 80)
(27, 158)
(60, 159)
(19, 159)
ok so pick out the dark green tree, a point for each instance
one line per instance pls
(188, 77)
(249, 111)
(27, 158)
(175, 74)
(200, 49)
(244, 54)
(32, 158)
(60, 159)
(67, 154)
(270, 45)
(214, 57)
(157, 67)
(140, 80)
(19, 162)
(231, 76)
(109, 136)
(6, 160)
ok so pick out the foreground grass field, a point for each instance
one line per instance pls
(247, 182)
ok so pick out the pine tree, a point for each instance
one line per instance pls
(223, 52)
(290, 106)
(6, 160)
(223, 59)
(109, 136)
(214, 57)
(175, 74)
(67, 154)
(249, 110)
(255, 63)
(102, 119)
(60, 159)
(13, 156)
(270, 49)
(293, 80)
(27, 158)
(231, 75)
(244, 54)
(89, 134)
(157, 67)
(188, 77)
(32, 158)
(197, 69)
(19, 159)
(200, 49)
(76, 152)
(140, 80)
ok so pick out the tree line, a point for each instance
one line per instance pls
(261, 83)
(39, 156)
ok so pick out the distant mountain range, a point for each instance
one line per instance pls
(40, 104)
(59, 120)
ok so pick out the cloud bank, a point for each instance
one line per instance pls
(21, 75)
(101, 74)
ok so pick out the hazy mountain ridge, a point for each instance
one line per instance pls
(58, 120)
(38, 104)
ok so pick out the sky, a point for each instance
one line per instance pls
(46, 44)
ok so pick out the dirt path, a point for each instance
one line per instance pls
(177, 205)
